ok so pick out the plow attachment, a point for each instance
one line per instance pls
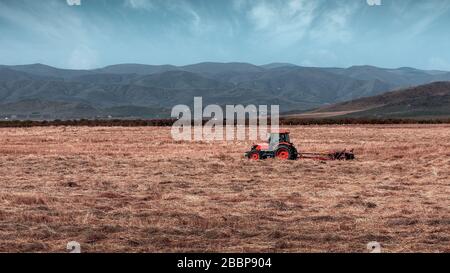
(338, 155)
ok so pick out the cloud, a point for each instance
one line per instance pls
(181, 10)
(263, 16)
(438, 63)
(282, 23)
(73, 2)
(334, 24)
(139, 4)
(42, 22)
(53, 28)
(238, 5)
(313, 32)
(419, 16)
(319, 57)
(83, 57)
(286, 23)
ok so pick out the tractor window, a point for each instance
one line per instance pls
(274, 139)
(284, 138)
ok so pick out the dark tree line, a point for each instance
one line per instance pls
(169, 122)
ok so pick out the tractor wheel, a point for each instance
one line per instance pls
(286, 153)
(349, 156)
(254, 156)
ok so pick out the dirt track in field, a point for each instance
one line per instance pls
(136, 190)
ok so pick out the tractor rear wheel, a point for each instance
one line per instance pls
(286, 153)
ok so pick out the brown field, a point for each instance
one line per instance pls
(135, 190)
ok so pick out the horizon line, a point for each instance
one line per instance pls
(232, 62)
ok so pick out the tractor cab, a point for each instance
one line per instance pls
(276, 138)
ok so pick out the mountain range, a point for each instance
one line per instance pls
(39, 91)
(423, 102)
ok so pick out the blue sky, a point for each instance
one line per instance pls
(325, 33)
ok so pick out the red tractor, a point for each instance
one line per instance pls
(280, 146)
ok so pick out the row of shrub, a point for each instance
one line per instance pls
(87, 122)
(348, 121)
(169, 122)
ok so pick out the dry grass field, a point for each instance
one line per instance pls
(135, 190)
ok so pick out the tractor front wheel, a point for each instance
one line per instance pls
(254, 156)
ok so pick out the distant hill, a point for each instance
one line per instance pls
(42, 109)
(313, 86)
(181, 80)
(139, 69)
(143, 90)
(404, 76)
(218, 68)
(425, 101)
(277, 65)
(48, 71)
